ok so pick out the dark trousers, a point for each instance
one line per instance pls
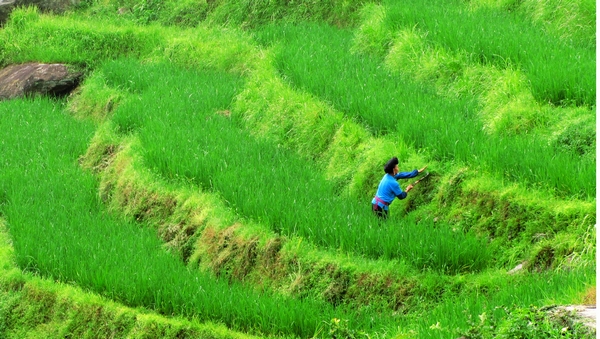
(379, 211)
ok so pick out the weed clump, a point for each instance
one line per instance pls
(530, 322)
(578, 138)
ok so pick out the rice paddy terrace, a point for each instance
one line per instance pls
(212, 174)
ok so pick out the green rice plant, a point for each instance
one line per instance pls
(29, 36)
(168, 13)
(96, 100)
(44, 308)
(316, 58)
(507, 104)
(248, 13)
(60, 229)
(411, 54)
(559, 73)
(495, 295)
(188, 13)
(207, 47)
(146, 11)
(372, 36)
(186, 135)
(573, 21)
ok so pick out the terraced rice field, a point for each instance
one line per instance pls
(221, 172)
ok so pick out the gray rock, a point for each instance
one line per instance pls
(36, 78)
(587, 314)
(6, 6)
(519, 268)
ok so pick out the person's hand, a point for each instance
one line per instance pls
(422, 169)
(409, 187)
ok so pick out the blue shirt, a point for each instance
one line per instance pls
(389, 188)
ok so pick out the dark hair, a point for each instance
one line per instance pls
(389, 166)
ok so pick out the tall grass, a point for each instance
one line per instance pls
(29, 36)
(253, 13)
(186, 135)
(317, 58)
(490, 296)
(61, 230)
(559, 72)
(573, 21)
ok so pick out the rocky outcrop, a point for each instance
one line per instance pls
(35, 78)
(6, 6)
(584, 314)
(47, 6)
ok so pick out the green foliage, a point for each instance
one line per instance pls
(250, 13)
(8, 302)
(411, 54)
(316, 58)
(95, 99)
(109, 255)
(578, 138)
(572, 21)
(203, 126)
(146, 11)
(509, 107)
(463, 300)
(83, 5)
(514, 218)
(529, 323)
(45, 309)
(189, 13)
(211, 48)
(169, 13)
(23, 16)
(27, 316)
(61, 39)
(342, 150)
(338, 329)
(258, 178)
(186, 13)
(372, 37)
(558, 72)
(557, 251)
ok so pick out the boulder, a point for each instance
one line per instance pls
(35, 78)
(6, 6)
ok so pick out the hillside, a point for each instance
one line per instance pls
(217, 163)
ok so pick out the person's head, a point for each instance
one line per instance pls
(391, 167)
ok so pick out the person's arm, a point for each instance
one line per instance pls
(402, 195)
(398, 192)
(408, 175)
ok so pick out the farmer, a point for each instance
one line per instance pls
(389, 188)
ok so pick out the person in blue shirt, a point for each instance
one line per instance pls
(389, 189)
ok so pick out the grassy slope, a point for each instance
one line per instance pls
(34, 307)
(61, 230)
(487, 196)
